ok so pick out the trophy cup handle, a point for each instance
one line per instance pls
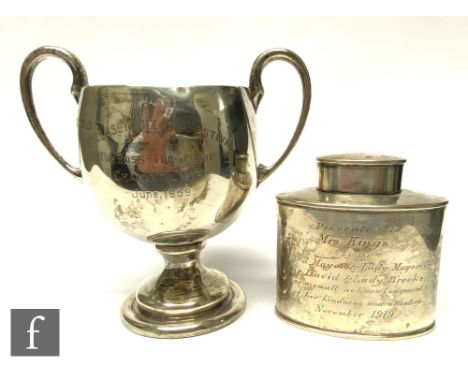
(256, 90)
(80, 80)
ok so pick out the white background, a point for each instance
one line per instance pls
(393, 86)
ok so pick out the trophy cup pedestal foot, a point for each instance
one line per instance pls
(185, 300)
(180, 327)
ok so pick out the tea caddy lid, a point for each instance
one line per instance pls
(359, 173)
(360, 182)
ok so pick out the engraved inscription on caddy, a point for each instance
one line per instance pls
(361, 263)
(341, 264)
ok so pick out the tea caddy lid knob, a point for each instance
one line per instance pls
(359, 173)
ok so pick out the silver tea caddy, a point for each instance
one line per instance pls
(357, 256)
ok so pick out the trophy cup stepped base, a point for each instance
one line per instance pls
(165, 326)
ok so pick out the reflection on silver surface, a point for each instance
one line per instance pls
(167, 160)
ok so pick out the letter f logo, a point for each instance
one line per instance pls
(32, 331)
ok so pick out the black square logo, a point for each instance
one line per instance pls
(35, 332)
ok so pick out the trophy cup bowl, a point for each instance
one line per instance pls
(171, 166)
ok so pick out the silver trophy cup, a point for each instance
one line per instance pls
(171, 166)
